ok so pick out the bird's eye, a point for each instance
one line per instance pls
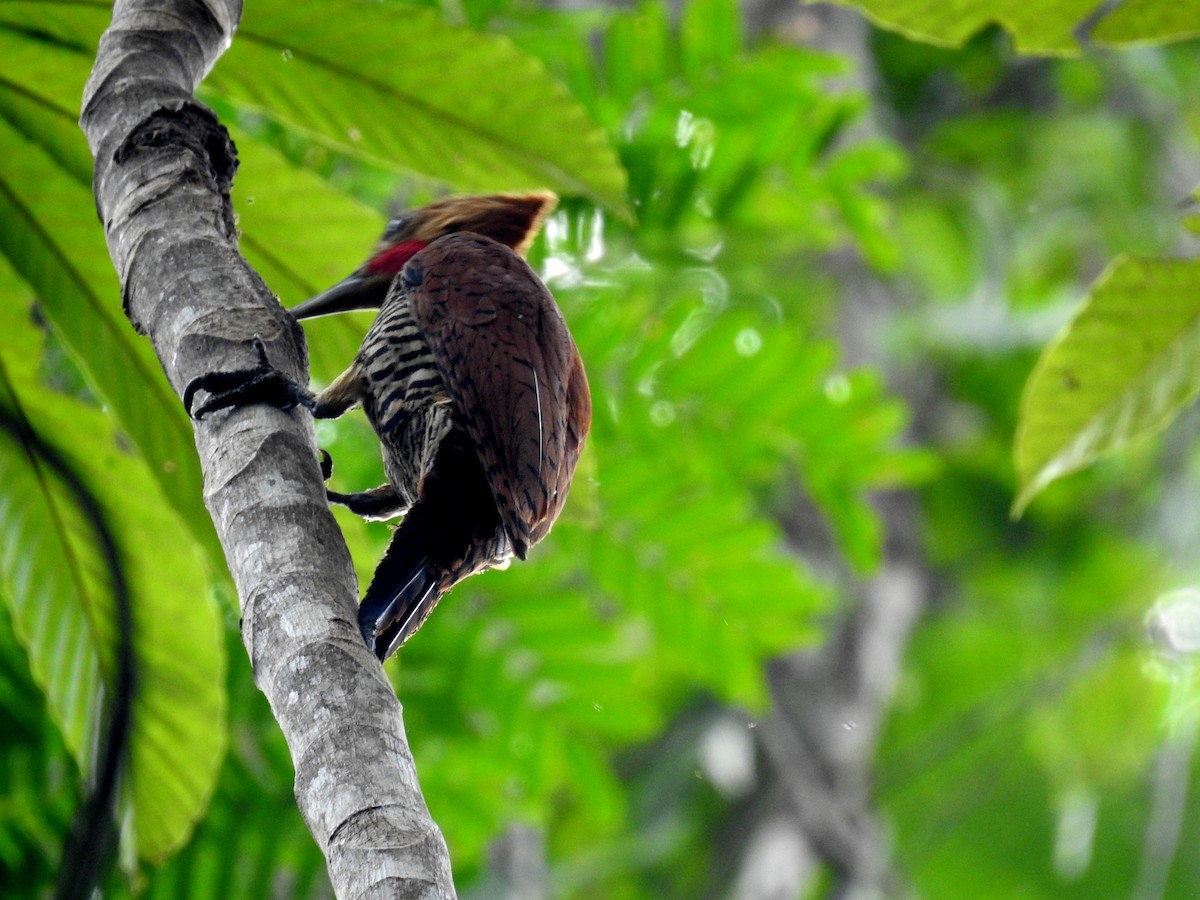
(397, 226)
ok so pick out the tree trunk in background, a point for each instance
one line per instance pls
(830, 703)
(164, 169)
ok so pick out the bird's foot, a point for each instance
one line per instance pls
(241, 387)
(376, 505)
(326, 464)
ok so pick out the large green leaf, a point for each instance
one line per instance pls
(398, 86)
(1148, 21)
(1046, 28)
(1127, 363)
(57, 589)
(49, 233)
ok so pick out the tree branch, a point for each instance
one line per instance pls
(164, 168)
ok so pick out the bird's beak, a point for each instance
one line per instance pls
(355, 292)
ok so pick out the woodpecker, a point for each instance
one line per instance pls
(474, 386)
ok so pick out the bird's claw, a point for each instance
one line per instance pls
(326, 464)
(240, 387)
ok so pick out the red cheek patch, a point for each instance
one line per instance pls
(392, 260)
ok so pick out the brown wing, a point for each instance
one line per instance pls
(504, 351)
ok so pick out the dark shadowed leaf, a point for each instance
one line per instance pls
(58, 592)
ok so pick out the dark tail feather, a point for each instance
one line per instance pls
(452, 531)
(403, 592)
(412, 611)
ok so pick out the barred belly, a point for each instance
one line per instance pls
(406, 400)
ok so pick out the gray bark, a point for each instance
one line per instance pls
(164, 168)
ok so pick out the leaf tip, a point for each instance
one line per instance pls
(1020, 503)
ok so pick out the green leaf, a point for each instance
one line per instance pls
(49, 233)
(711, 35)
(57, 589)
(1037, 28)
(400, 87)
(1148, 21)
(1122, 369)
(73, 24)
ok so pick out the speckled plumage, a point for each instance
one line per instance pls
(477, 392)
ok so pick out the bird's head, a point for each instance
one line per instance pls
(511, 219)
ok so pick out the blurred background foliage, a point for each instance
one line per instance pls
(808, 274)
